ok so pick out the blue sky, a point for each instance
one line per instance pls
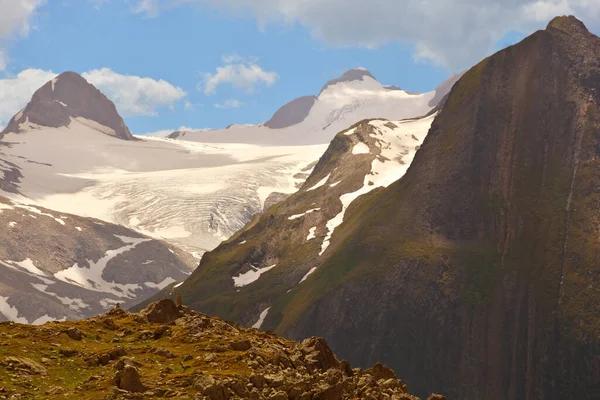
(182, 43)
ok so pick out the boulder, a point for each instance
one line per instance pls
(162, 312)
(129, 379)
(74, 333)
(319, 354)
(242, 345)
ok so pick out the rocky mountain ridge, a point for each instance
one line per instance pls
(169, 351)
(56, 266)
(483, 256)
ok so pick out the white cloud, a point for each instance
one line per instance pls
(148, 7)
(15, 17)
(239, 72)
(134, 95)
(16, 91)
(233, 103)
(3, 60)
(453, 33)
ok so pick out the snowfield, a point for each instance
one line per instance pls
(191, 194)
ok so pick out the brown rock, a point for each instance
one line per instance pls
(436, 397)
(242, 345)
(162, 312)
(380, 371)
(164, 353)
(74, 333)
(24, 365)
(318, 354)
(346, 368)
(129, 379)
(217, 392)
(160, 332)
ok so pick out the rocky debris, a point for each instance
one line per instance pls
(436, 397)
(162, 312)
(199, 358)
(23, 365)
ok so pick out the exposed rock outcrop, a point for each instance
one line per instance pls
(208, 359)
(69, 96)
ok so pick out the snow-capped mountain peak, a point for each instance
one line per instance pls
(65, 98)
(342, 102)
(353, 75)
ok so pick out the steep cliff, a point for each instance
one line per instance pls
(475, 274)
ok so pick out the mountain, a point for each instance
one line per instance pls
(475, 273)
(169, 351)
(58, 266)
(65, 98)
(342, 102)
(192, 195)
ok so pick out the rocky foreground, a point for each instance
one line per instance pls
(170, 351)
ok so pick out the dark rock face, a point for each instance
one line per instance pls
(482, 256)
(292, 113)
(69, 96)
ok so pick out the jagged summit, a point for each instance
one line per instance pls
(568, 24)
(356, 74)
(64, 98)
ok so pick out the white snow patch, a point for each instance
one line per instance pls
(73, 304)
(109, 303)
(335, 184)
(28, 265)
(303, 214)
(179, 284)
(261, 319)
(161, 285)
(251, 276)
(311, 234)
(78, 228)
(309, 273)
(91, 278)
(11, 313)
(46, 318)
(350, 132)
(54, 82)
(398, 148)
(5, 207)
(12, 224)
(62, 104)
(319, 184)
(39, 212)
(242, 242)
(360, 148)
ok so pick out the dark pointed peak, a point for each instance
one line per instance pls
(66, 97)
(568, 24)
(356, 74)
